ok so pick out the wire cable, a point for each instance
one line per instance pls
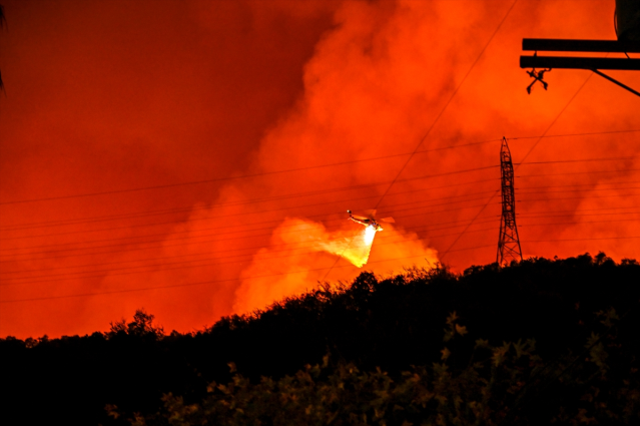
(455, 92)
(297, 206)
(439, 115)
(205, 181)
(522, 161)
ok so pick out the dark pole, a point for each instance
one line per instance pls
(559, 62)
(567, 45)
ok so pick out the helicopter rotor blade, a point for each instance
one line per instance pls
(371, 214)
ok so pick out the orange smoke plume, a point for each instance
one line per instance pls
(268, 111)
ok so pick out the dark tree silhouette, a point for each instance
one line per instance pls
(141, 326)
(390, 323)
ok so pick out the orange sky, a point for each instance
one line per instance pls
(191, 158)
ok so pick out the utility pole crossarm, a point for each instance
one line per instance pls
(547, 63)
(568, 45)
(565, 62)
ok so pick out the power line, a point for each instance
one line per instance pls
(431, 176)
(110, 270)
(585, 160)
(288, 273)
(590, 172)
(522, 160)
(634, 237)
(528, 200)
(298, 206)
(83, 251)
(189, 284)
(466, 194)
(556, 119)
(273, 248)
(455, 92)
(519, 164)
(281, 171)
(472, 248)
(438, 116)
(430, 227)
(141, 239)
(197, 182)
(575, 222)
(191, 263)
(463, 198)
(580, 187)
(252, 175)
(563, 213)
(319, 215)
(296, 195)
(205, 181)
(562, 135)
(105, 218)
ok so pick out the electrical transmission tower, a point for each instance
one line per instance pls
(509, 243)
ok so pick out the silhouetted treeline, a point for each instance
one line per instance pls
(391, 324)
(508, 384)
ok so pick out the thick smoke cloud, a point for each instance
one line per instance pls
(303, 253)
(306, 111)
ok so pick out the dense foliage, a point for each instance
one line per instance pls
(499, 385)
(368, 353)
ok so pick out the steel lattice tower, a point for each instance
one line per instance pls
(509, 243)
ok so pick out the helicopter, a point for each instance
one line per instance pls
(369, 220)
